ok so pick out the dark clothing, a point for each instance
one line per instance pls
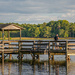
(56, 38)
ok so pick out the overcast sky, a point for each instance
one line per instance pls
(36, 11)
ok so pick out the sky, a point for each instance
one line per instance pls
(36, 11)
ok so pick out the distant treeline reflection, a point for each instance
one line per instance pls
(31, 62)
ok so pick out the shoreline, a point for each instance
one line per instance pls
(32, 38)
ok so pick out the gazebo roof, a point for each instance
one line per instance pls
(10, 27)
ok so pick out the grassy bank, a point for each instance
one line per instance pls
(31, 38)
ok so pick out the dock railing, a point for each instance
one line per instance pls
(34, 45)
(71, 47)
(57, 45)
(37, 45)
(8, 46)
(26, 45)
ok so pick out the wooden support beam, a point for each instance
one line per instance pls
(57, 70)
(34, 45)
(20, 34)
(38, 57)
(3, 34)
(8, 35)
(9, 68)
(49, 51)
(2, 62)
(66, 50)
(49, 67)
(52, 57)
(68, 57)
(10, 56)
(20, 55)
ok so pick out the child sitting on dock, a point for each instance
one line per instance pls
(56, 39)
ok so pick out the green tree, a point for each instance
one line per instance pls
(37, 32)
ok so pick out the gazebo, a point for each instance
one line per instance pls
(10, 27)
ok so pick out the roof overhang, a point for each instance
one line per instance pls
(10, 27)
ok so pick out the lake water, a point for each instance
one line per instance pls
(58, 66)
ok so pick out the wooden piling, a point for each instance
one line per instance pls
(49, 51)
(66, 49)
(49, 66)
(20, 34)
(38, 57)
(67, 56)
(57, 70)
(19, 53)
(2, 62)
(10, 55)
(33, 55)
(9, 68)
(52, 57)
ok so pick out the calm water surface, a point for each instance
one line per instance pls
(58, 66)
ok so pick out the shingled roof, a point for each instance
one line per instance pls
(10, 27)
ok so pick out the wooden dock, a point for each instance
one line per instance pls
(35, 48)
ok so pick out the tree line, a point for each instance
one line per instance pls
(45, 30)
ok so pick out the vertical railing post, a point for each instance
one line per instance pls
(67, 56)
(19, 45)
(39, 44)
(49, 50)
(49, 56)
(20, 34)
(33, 45)
(19, 48)
(3, 58)
(66, 49)
(53, 45)
(10, 55)
(33, 49)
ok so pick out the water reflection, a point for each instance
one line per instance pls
(33, 67)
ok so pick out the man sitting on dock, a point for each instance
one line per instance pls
(56, 39)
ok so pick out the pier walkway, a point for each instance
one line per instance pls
(38, 47)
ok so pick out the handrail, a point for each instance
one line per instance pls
(39, 44)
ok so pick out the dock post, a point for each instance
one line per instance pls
(10, 55)
(9, 68)
(2, 62)
(20, 34)
(52, 57)
(3, 53)
(57, 70)
(33, 55)
(49, 63)
(66, 48)
(67, 56)
(53, 45)
(20, 54)
(49, 51)
(38, 57)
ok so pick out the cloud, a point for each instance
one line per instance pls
(39, 18)
(68, 15)
(36, 6)
(35, 11)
